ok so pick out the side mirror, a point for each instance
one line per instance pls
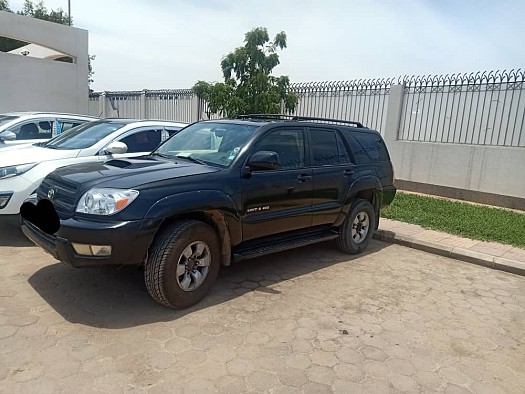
(264, 160)
(7, 136)
(116, 147)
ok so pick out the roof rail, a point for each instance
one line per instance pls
(298, 118)
(357, 124)
(263, 116)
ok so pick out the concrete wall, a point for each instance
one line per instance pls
(32, 84)
(485, 169)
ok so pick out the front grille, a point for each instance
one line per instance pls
(64, 198)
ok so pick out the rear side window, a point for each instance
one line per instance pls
(327, 148)
(367, 147)
(33, 130)
(68, 124)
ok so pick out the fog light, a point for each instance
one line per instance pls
(82, 249)
(4, 198)
(101, 250)
(92, 250)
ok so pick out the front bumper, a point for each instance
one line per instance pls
(129, 240)
(20, 189)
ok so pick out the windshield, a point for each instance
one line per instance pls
(84, 136)
(7, 118)
(210, 142)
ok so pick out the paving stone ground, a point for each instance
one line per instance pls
(312, 320)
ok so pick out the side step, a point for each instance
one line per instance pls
(278, 246)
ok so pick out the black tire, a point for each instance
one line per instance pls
(345, 240)
(160, 270)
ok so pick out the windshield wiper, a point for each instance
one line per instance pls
(45, 145)
(165, 156)
(193, 159)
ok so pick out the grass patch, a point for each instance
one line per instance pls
(467, 220)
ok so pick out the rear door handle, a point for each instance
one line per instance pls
(349, 172)
(303, 178)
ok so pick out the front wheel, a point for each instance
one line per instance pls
(183, 263)
(358, 227)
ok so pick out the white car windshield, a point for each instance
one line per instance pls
(214, 143)
(84, 136)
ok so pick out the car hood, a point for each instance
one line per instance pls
(6, 147)
(32, 154)
(128, 173)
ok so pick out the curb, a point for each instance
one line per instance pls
(469, 256)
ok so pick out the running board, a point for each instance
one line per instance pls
(279, 246)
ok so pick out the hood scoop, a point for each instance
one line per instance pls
(137, 163)
(118, 163)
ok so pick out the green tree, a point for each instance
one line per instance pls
(249, 86)
(4, 6)
(39, 11)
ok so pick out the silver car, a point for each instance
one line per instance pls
(30, 127)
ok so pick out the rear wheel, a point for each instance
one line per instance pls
(358, 227)
(183, 263)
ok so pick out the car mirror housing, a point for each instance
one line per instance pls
(116, 147)
(264, 160)
(7, 136)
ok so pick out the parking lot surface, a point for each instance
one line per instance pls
(311, 320)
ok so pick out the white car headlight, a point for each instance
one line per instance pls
(105, 201)
(8, 172)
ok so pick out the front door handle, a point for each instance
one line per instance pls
(303, 178)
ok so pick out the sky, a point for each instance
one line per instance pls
(171, 44)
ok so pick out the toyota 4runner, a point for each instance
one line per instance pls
(216, 192)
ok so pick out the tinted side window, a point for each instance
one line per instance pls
(367, 147)
(344, 156)
(67, 124)
(328, 148)
(289, 145)
(323, 145)
(172, 130)
(373, 145)
(142, 141)
(38, 129)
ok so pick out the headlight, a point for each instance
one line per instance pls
(8, 172)
(105, 201)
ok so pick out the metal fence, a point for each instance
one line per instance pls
(477, 108)
(363, 100)
(177, 104)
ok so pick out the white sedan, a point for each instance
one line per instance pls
(18, 128)
(23, 169)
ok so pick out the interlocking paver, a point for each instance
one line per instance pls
(312, 320)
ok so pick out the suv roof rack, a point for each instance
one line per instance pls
(298, 118)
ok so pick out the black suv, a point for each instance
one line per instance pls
(216, 192)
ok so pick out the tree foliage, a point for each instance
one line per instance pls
(4, 6)
(249, 86)
(39, 11)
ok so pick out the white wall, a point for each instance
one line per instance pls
(32, 84)
(488, 169)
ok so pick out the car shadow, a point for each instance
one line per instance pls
(11, 235)
(116, 297)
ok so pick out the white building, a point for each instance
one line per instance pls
(30, 77)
